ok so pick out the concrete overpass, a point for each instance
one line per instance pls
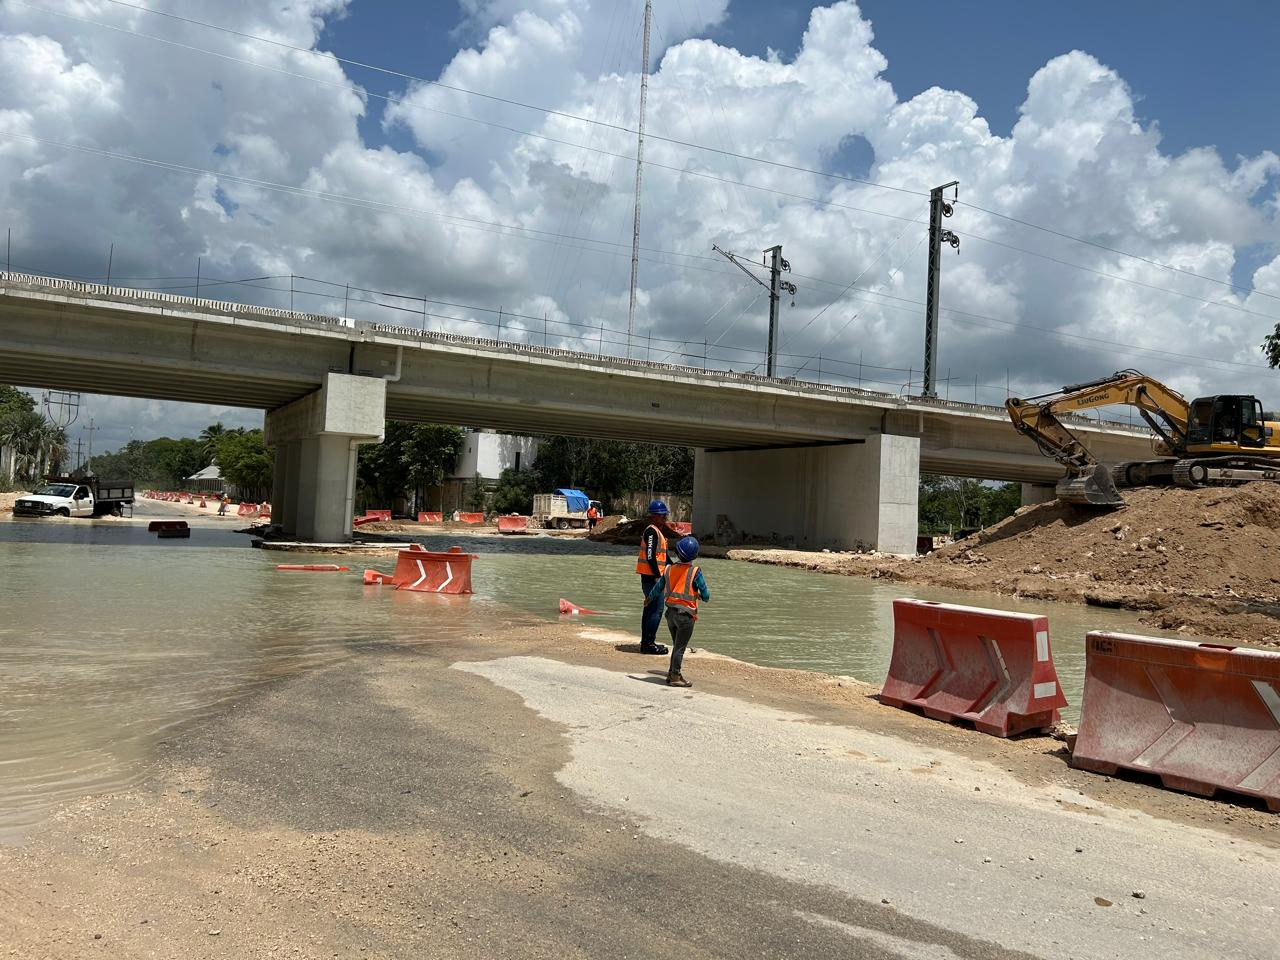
(827, 465)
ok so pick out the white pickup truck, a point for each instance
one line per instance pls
(74, 498)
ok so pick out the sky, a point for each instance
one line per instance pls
(1118, 171)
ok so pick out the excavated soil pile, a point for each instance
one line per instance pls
(1211, 543)
(1207, 561)
(617, 530)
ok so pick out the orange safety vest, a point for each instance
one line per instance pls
(642, 564)
(680, 589)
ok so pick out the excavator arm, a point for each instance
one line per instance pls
(1088, 481)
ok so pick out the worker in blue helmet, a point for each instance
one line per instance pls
(681, 587)
(650, 564)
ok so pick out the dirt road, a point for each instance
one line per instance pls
(533, 792)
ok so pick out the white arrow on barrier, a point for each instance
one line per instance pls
(422, 576)
(448, 579)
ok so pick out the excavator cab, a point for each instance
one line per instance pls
(1225, 423)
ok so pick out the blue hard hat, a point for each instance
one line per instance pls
(657, 508)
(687, 549)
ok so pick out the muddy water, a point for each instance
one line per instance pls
(111, 640)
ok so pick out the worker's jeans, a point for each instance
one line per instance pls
(652, 615)
(680, 622)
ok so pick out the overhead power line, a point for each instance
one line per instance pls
(1109, 249)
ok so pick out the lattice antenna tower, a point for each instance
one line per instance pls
(635, 229)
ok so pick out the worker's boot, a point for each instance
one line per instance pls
(675, 679)
(654, 648)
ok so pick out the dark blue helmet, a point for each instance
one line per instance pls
(657, 509)
(687, 549)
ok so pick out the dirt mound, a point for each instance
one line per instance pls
(1214, 543)
(617, 530)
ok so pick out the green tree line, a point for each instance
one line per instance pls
(949, 504)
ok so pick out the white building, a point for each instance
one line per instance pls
(484, 456)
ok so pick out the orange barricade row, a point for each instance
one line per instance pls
(471, 518)
(684, 529)
(513, 524)
(1203, 717)
(991, 668)
(430, 517)
(247, 510)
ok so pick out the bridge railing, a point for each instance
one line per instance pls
(234, 308)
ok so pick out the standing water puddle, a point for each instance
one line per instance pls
(111, 639)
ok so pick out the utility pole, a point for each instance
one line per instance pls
(635, 230)
(938, 208)
(79, 462)
(777, 266)
(88, 463)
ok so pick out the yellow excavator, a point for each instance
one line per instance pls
(1211, 441)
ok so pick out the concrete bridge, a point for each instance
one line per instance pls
(827, 465)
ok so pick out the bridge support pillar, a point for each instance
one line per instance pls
(315, 441)
(1033, 493)
(847, 497)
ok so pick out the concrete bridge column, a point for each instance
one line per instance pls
(857, 495)
(316, 439)
(1033, 493)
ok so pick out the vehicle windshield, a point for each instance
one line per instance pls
(56, 490)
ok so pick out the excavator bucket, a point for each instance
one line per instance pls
(1094, 489)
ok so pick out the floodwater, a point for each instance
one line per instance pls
(111, 640)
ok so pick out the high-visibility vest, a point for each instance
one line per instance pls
(680, 589)
(642, 564)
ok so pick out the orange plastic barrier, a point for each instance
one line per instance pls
(570, 608)
(264, 512)
(426, 571)
(372, 577)
(378, 514)
(313, 567)
(513, 524)
(361, 521)
(1202, 716)
(471, 518)
(684, 529)
(991, 668)
(247, 510)
(202, 503)
(430, 517)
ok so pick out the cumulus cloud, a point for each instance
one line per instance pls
(531, 211)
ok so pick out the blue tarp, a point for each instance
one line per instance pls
(575, 501)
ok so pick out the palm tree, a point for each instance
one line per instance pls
(52, 441)
(209, 438)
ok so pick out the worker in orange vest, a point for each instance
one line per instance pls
(593, 516)
(650, 565)
(683, 584)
